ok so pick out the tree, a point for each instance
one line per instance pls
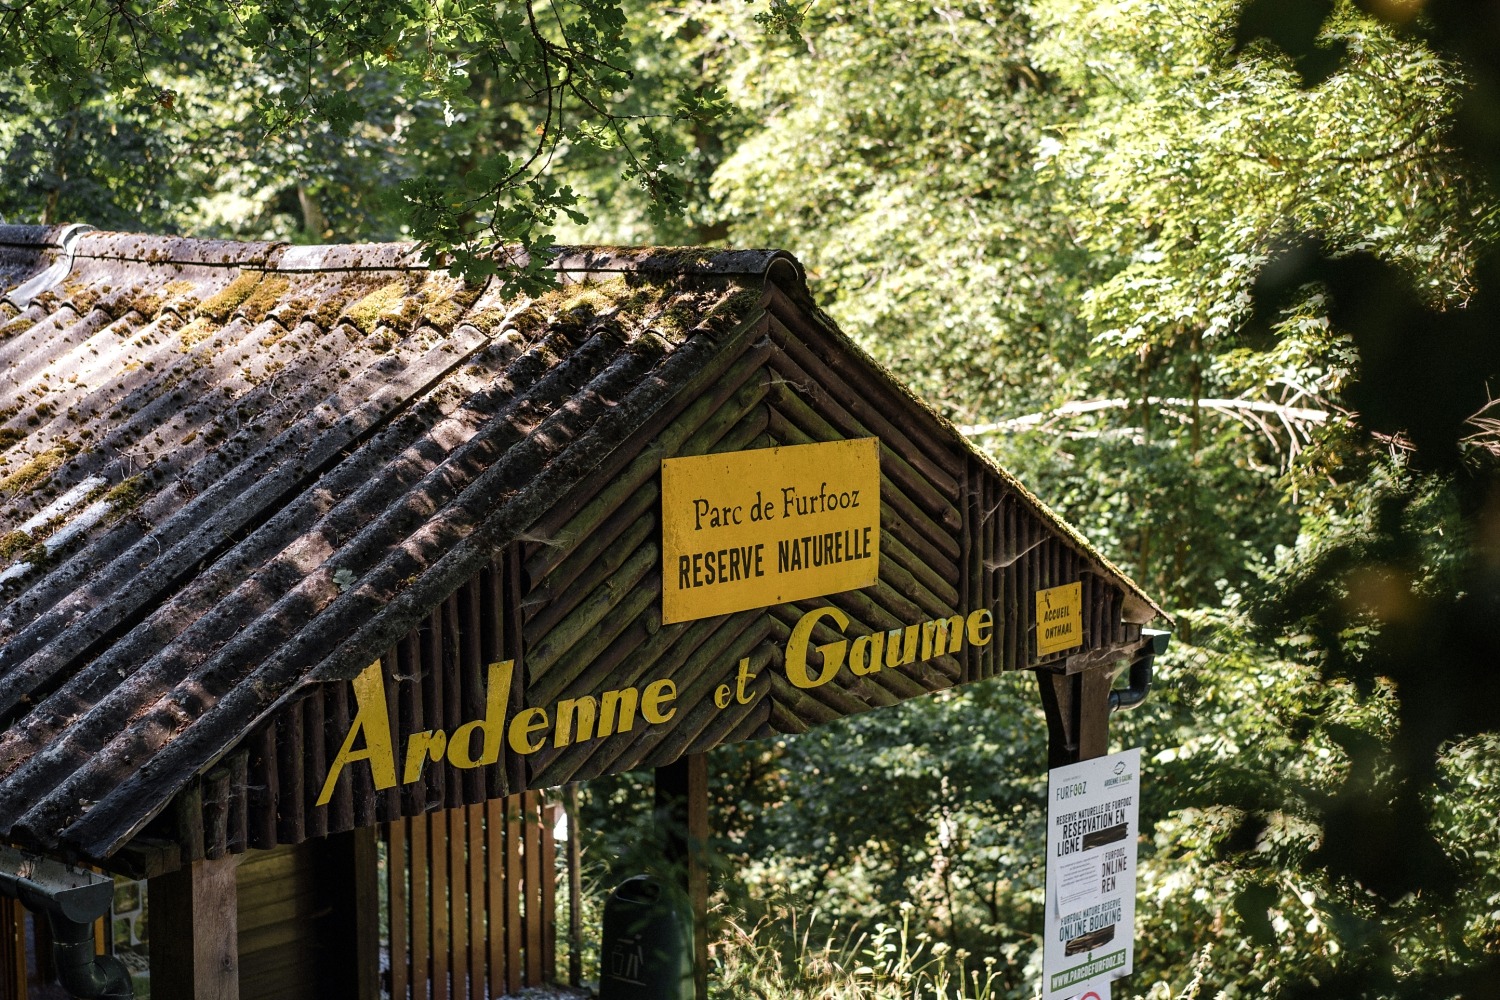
(440, 121)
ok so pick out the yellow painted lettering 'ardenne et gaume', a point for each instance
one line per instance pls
(752, 529)
(481, 742)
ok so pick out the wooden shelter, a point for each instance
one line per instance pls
(306, 549)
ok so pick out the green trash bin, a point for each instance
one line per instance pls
(647, 951)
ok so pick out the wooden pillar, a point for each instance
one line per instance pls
(350, 867)
(12, 950)
(1077, 710)
(195, 932)
(682, 799)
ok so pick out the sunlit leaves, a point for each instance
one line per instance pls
(446, 121)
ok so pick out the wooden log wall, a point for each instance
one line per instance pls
(576, 604)
(472, 900)
(280, 901)
(264, 794)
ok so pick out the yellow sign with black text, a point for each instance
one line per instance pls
(751, 529)
(1059, 618)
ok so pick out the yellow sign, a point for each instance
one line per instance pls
(1059, 618)
(750, 529)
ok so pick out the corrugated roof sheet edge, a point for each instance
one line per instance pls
(281, 256)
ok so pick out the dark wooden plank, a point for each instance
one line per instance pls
(216, 793)
(514, 941)
(281, 974)
(398, 907)
(291, 815)
(12, 949)
(1093, 713)
(496, 891)
(420, 919)
(366, 901)
(239, 804)
(496, 644)
(794, 421)
(188, 808)
(388, 807)
(475, 871)
(279, 903)
(315, 761)
(695, 690)
(437, 882)
(531, 857)
(456, 848)
(937, 497)
(349, 936)
(590, 536)
(434, 689)
(409, 668)
(455, 705)
(278, 935)
(636, 459)
(342, 806)
(513, 638)
(475, 674)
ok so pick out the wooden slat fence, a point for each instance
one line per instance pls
(472, 900)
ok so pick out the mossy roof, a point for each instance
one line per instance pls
(227, 469)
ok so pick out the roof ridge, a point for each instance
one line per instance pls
(271, 255)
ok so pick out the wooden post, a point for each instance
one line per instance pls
(1077, 710)
(195, 932)
(351, 875)
(682, 798)
(12, 950)
(575, 888)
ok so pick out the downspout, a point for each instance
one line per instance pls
(1138, 684)
(21, 296)
(72, 900)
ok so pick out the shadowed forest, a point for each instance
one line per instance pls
(1215, 280)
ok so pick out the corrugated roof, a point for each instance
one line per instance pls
(227, 468)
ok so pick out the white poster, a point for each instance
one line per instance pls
(1092, 821)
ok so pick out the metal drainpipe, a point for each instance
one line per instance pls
(21, 296)
(72, 900)
(1139, 681)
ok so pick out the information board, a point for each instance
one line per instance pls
(750, 529)
(1093, 810)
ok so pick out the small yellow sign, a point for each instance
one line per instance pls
(750, 529)
(1059, 618)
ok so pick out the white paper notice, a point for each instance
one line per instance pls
(1092, 822)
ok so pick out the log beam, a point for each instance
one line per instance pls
(1077, 710)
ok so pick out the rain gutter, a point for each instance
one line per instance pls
(22, 295)
(72, 900)
(1138, 684)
